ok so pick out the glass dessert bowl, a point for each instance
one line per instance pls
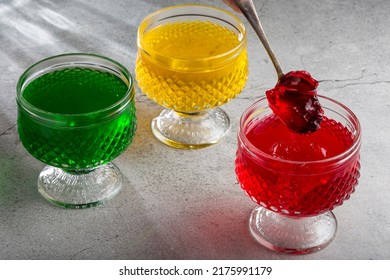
(297, 179)
(191, 60)
(76, 113)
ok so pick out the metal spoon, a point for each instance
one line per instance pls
(248, 10)
(303, 113)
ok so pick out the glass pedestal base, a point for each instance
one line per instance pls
(80, 189)
(293, 235)
(191, 130)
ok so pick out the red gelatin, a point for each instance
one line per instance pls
(294, 100)
(297, 174)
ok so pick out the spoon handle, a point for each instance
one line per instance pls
(248, 9)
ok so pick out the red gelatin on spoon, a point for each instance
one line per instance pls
(294, 100)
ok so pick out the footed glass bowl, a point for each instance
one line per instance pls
(297, 179)
(76, 113)
(191, 60)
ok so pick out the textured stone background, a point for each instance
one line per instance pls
(179, 204)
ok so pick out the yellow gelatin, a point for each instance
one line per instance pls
(190, 66)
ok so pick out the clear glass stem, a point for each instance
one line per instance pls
(191, 130)
(85, 189)
(293, 235)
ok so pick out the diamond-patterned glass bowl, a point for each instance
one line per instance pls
(78, 147)
(295, 197)
(191, 60)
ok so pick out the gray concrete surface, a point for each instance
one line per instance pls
(179, 204)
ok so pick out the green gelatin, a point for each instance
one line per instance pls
(82, 121)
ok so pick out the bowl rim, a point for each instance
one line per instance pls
(195, 62)
(258, 154)
(72, 60)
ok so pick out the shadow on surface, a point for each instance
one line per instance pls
(212, 230)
